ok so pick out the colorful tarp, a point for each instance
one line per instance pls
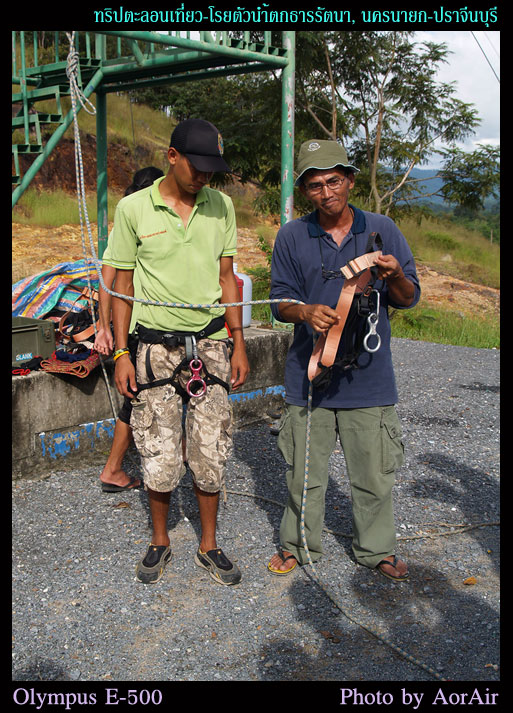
(57, 288)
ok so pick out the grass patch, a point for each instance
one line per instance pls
(453, 250)
(244, 211)
(261, 276)
(56, 208)
(441, 326)
(261, 279)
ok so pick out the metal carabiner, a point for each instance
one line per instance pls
(372, 321)
(196, 366)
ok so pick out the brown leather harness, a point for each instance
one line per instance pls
(359, 280)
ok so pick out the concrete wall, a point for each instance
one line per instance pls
(57, 417)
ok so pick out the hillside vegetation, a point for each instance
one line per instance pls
(139, 136)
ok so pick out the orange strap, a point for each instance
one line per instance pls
(88, 331)
(356, 273)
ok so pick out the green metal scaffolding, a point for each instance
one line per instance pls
(153, 59)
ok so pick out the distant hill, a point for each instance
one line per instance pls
(429, 184)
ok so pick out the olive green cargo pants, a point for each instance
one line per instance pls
(371, 440)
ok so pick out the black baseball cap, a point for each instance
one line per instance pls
(202, 143)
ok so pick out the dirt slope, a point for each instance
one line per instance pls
(37, 248)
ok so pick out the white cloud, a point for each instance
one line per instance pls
(476, 83)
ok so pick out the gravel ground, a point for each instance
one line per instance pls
(79, 614)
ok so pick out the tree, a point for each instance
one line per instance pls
(377, 91)
(470, 178)
(393, 109)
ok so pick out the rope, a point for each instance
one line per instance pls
(76, 93)
(72, 65)
(72, 71)
(333, 598)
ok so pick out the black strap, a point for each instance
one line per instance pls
(173, 339)
(374, 239)
(152, 383)
(173, 380)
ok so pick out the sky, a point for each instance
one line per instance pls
(476, 82)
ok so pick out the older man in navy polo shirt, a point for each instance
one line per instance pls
(357, 403)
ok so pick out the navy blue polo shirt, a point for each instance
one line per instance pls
(302, 247)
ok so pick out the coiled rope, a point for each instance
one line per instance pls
(76, 94)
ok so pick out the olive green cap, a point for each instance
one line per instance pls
(321, 154)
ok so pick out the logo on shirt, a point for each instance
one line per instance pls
(150, 235)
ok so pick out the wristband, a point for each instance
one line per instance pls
(120, 352)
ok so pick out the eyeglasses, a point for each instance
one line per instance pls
(334, 184)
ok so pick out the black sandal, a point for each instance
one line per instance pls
(112, 488)
(393, 564)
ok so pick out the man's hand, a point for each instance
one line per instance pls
(240, 367)
(319, 317)
(104, 342)
(388, 267)
(124, 376)
(400, 288)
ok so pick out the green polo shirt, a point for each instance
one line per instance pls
(173, 262)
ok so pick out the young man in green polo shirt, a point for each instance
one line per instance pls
(180, 238)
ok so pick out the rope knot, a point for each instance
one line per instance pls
(72, 65)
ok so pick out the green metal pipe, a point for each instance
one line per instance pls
(150, 66)
(155, 64)
(23, 85)
(139, 57)
(213, 48)
(101, 172)
(53, 141)
(287, 129)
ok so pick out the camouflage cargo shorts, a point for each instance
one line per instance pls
(157, 420)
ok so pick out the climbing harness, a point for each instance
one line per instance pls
(358, 300)
(78, 328)
(196, 385)
(353, 272)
